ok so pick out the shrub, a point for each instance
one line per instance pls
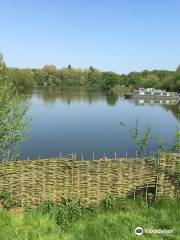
(5, 200)
(109, 202)
(71, 210)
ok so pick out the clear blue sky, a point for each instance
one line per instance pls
(118, 35)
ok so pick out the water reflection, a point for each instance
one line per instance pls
(161, 102)
(91, 95)
(175, 109)
(86, 120)
(75, 94)
(169, 105)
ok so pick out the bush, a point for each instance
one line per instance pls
(72, 210)
(109, 202)
(5, 200)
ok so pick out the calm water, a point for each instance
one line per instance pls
(87, 120)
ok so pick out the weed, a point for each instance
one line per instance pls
(47, 206)
(5, 200)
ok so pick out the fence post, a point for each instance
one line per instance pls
(156, 192)
(115, 155)
(136, 154)
(60, 154)
(158, 158)
(82, 157)
(28, 157)
(135, 193)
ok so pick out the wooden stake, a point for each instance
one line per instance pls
(135, 194)
(157, 178)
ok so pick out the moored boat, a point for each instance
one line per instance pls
(152, 93)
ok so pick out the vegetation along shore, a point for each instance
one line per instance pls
(51, 75)
(108, 221)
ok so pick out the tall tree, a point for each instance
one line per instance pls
(12, 120)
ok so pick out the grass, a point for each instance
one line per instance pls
(115, 223)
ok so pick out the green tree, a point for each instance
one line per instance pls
(94, 76)
(110, 79)
(49, 73)
(2, 62)
(12, 120)
(178, 68)
(22, 79)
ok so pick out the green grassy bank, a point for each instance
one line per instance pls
(110, 222)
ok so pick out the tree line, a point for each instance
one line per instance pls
(68, 76)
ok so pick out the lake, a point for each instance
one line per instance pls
(88, 120)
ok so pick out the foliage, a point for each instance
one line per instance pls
(12, 120)
(175, 178)
(161, 144)
(47, 206)
(109, 225)
(72, 210)
(2, 62)
(141, 141)
(110, 79)
(109, 202)
(176, 142)
(24, 79)
(5, 200)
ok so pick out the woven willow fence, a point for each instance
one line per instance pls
(32, 182)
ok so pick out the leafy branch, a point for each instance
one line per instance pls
(141, 141)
